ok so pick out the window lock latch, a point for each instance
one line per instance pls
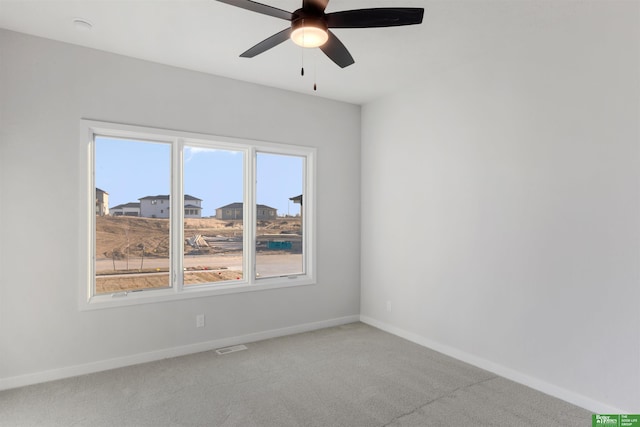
(119, 294)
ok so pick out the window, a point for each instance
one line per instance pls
(131, 253)
(213, 255)
(232, 221)
(280, 243)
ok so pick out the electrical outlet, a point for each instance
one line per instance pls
(389, 306)
(200, 321)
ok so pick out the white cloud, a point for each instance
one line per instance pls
(189, 152)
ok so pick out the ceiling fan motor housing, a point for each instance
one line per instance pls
(309, 29)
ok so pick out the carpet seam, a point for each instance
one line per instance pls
(439, 398)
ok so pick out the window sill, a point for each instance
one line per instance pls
(202, 291)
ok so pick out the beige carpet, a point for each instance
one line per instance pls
(352, 375)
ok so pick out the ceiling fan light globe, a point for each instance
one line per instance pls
(306, 35)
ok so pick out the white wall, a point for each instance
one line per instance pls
(45, 88)
(501, 205)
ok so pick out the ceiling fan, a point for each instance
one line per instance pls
(310, 25)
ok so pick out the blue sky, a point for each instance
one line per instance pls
(129, 170)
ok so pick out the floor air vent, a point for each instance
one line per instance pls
(232, 349)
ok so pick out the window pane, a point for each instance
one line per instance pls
(132, 238)
(279, 196)
(213, 225)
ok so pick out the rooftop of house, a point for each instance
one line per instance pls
(127, 205)
(166, 197)
(238, 205)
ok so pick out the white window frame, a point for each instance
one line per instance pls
(89, 129)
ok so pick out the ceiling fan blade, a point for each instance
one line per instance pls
(318, 5)
(260, 8)
(267, 44)
(377, 17)
(336, 51)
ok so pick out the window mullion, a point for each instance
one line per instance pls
(177, 214)
(249, 207)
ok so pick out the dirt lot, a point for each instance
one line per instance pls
(133, 253)
(118, 283)
(119, 236)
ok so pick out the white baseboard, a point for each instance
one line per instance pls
(568, 396)
(134, 359)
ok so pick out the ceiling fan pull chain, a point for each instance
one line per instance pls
(315, 73)
(302, 62)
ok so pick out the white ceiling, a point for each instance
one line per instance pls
(208, 36)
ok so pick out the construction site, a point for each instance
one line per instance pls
(132, 253)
